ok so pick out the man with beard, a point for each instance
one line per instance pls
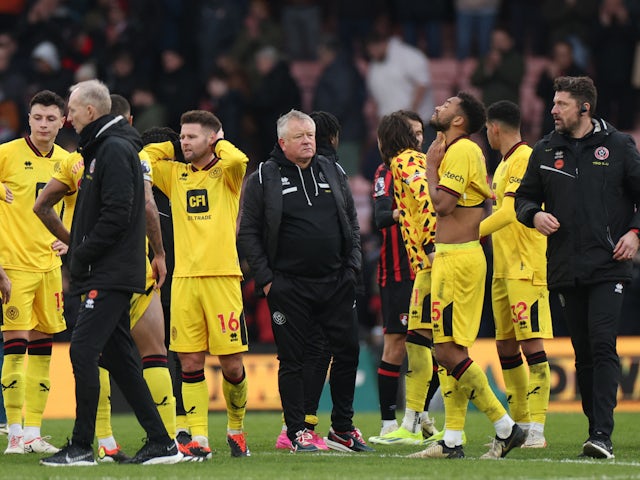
(587, 175)
(457, 178)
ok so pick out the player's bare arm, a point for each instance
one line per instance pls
(53, 192)
(5, 286)
(154, 235)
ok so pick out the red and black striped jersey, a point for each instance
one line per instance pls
(393, 264)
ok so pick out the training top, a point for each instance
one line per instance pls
(26, 242)
(204, 208)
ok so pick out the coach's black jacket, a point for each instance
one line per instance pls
(107, 248)
(592, 186)
(262, 212)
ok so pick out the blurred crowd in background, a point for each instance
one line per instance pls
(249, 61)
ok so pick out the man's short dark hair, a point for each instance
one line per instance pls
(395, 135)
(201, 117)
(580, 88)
(327, 127)
(506, 112)
(474, 112)
(48, 98)
(120, 105)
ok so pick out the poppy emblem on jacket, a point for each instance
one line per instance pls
(92, 294)
(601, 153)
(92, 166)
(559, 164)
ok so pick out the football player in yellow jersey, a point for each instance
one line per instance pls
(30, 256)
(519, 294)
(399, 147)
(457, 178)
(206, 311)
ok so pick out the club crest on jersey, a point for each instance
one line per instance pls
(279, 318)
(215, 172)
(378, 189)
(601, 153)
(92, 166)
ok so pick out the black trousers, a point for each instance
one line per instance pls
(592, 313)
(298, 306)
(103, 327)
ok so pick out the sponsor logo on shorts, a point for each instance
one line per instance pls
(279, 318)
(619, 288)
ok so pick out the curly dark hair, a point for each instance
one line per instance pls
(159, 135)
(395, 135)
(474, 112)
(327, 127)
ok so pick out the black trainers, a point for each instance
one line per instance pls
(598, 448)
(71, 455)
(351, 441)
(501, 446)
(153, 453)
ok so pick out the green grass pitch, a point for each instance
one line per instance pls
(565, 434)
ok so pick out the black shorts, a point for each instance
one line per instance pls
(395, 297)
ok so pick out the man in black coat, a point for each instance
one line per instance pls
(587, 175)
(107, 265)
(300, 236)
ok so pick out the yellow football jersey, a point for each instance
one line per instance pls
(204, 208)
(463, 173)
(519, 252)
(417, 217)
(26, 243)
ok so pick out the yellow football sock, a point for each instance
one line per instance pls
(195, 395)
(473, 382)
(159, 382)
(37, 382)
(103, 414)
(13, 381)
(539, 388)
(311, 420)
(235, 395)
(419, 371)
(516, 381)
(181, 423)
(454, 400)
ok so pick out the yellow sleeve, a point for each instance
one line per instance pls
(70, 170)
(160, 164)
(233, 162)
(502, 217)
(514, 174)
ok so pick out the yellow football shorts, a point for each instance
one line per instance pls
(520, 309)
(457, 292)
(36, 302)
(207, 315)
(419, 316)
